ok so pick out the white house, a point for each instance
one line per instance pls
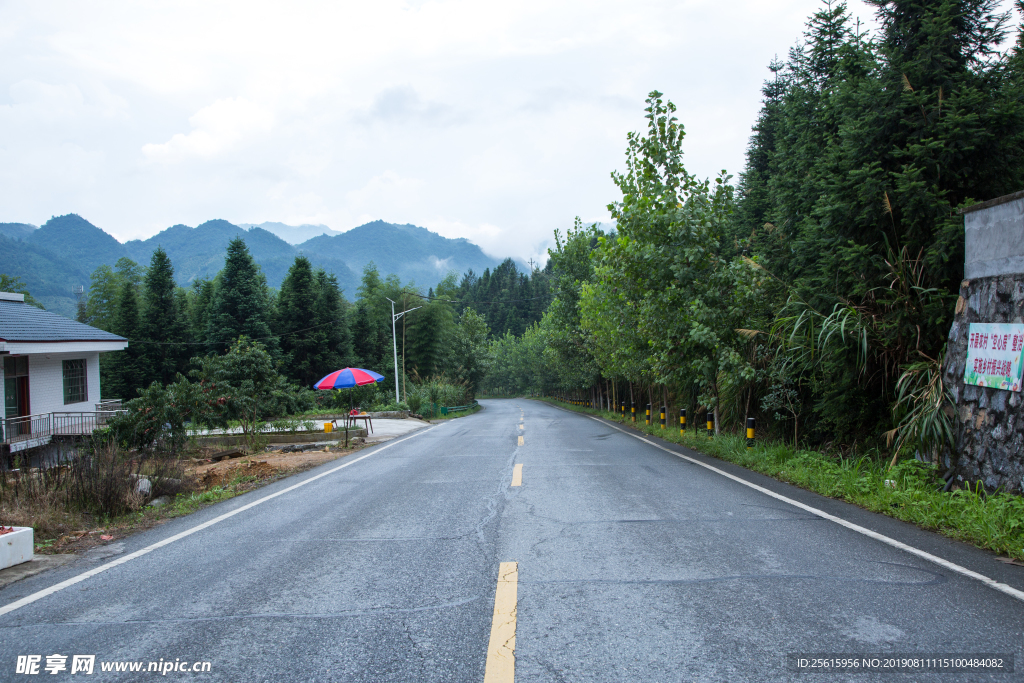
(50, 366)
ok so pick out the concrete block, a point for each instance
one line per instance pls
(994, 238)
(16, 547)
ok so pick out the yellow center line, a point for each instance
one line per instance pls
(501, 651)
(517, 475)
(520, 439)
(522, 427)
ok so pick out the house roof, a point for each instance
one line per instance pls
(20, 322)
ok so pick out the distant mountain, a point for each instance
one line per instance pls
(76, 239)
(50, 277)
(414, 253)
(54, 259)
(199, 252)
(17, 230)
(293, 234)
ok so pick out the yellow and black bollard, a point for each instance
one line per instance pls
(682, 421)
(750, 433)
(632, 410)
(711, 424)
(648, 414)
(664, 412)
(623, 410)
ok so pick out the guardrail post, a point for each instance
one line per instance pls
(664, 411)
(682, 421)
(750, 433)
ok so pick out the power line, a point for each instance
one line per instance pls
(203, 343)
(499, 301)
(313, 327)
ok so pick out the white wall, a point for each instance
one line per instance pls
(46, 382)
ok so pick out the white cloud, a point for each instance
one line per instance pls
(498, 122)
(216, 129)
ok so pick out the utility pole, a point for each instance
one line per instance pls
(394, 342)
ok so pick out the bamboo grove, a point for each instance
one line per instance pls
(816, 292)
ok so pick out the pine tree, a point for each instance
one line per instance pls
(302, 340)
(122, 375)
(371, 327)
(426, 333)
(332, 322)
(875, 145)
(200, 299)
(241, 302)
(162, 325)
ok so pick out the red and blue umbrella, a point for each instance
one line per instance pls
(348, 378)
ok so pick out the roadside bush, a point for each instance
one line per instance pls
(431, 393)
(97, 480)
(249, 388)
(163, 419)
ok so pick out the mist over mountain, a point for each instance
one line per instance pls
(292, 234)
(61, 254)
(17, 230)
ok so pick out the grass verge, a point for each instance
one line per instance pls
(910, 491)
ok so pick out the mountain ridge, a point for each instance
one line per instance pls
(61, 254)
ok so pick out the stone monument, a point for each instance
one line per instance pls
(984, 351)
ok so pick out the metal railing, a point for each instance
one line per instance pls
(458, 409)
(28, 427)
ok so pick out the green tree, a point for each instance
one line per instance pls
(122, 374)
(14, 285)
(241, 302)
(200, 300)
(332, 321)
(105, 285)
(874, 147)
(302, 340)
(248, 386)
(163, 329)
(426, 336)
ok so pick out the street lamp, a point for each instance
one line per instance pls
(394, 342)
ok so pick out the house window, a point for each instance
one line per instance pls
(75, 390)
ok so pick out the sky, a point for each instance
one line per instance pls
(498, 122)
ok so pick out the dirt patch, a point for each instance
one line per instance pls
(77, 533)
(261, 467)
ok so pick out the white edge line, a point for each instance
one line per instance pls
(991, 583)
(29, 599)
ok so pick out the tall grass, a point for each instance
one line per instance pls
(427, 395)
(95, 481)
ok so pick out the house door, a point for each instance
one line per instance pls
(16, 399)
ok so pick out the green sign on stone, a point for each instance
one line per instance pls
(995, 352)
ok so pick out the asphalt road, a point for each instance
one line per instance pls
(633, 565)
